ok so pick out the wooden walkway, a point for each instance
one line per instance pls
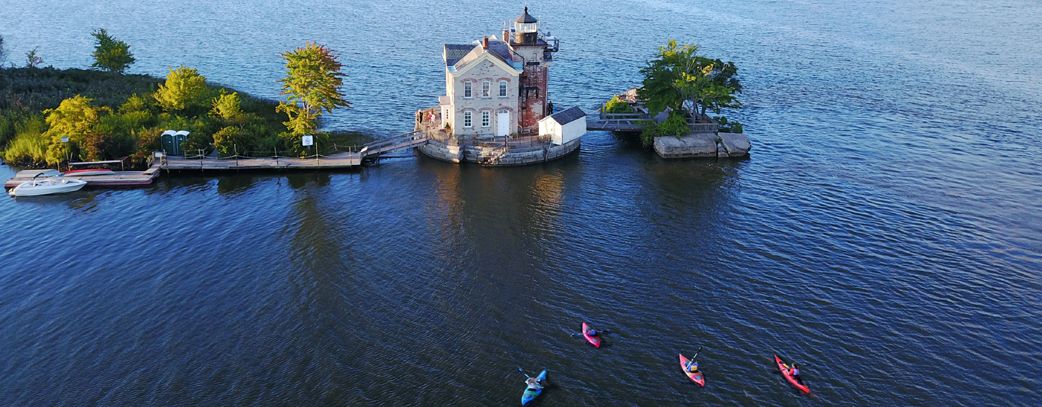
(342, 160)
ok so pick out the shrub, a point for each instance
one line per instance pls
(617, 105)
(675, 125)
(184, 90)
(29, 145)
(232, 140)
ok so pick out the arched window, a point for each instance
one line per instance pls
(468, 90)
(503, 89)
(468, 120)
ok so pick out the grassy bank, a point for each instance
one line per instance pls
(111, 116)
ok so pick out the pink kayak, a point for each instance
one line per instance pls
(696, 377)
(593, 340)
(788, 377)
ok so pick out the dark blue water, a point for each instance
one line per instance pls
(885, 232)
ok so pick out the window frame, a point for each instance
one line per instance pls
(504, 88)
(468, 89)
(486, 88)
(468, 119)
(486, 118)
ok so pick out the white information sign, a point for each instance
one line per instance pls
(65, 139)
(307, 141)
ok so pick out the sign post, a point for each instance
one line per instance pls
(308, 140)
(68, 154)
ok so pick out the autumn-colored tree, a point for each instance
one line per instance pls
(74, 118)
(312, 86)
(111, 54)
(184, 89)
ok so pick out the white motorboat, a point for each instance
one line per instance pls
(47, 186)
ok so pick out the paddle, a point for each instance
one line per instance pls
(523, 372)
(697, 352)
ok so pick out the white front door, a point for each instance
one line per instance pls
(503, 124)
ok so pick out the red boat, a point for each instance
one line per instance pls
(593, 340)
(86, 172)
(788, 377)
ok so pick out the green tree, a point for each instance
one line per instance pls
(183, 90)
(680, 79)
(111, 54)
(312, 85)
(33, 58)
(228, 107)
(74, 118)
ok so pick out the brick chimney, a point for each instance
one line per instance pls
(484, 42)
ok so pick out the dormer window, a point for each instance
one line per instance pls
(468, 91)
(486, 89)
(503, 89)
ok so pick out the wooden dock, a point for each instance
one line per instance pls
(341, 160)
(116, 179)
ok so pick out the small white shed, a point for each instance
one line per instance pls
(564, 126)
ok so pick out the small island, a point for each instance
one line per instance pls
(670, 111)
(50, 117)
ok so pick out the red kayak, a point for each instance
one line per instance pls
(696, 377)
(593, 340)
(788, 377)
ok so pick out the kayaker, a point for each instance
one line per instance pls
(533, 383)
(795, 373)
(692, 366)
(592, 332)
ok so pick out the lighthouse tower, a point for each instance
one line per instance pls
(536, 52)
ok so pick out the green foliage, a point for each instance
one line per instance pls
(232, 140)
(680, 79)
(312, 85)
(675, 125)
(228, 107)
(648, 133)
(32, 90)
(30, 144)
(111, 54)
(33, 59)
(135, 103)
(617, 105)
(113, 116)
(184, 90)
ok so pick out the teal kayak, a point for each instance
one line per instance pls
(531, 394)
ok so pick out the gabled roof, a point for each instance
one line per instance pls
(496, 49)
(568, 115)
(526, 18)
(456, 52)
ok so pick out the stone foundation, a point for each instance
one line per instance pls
(703, 145)
(498, 156)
